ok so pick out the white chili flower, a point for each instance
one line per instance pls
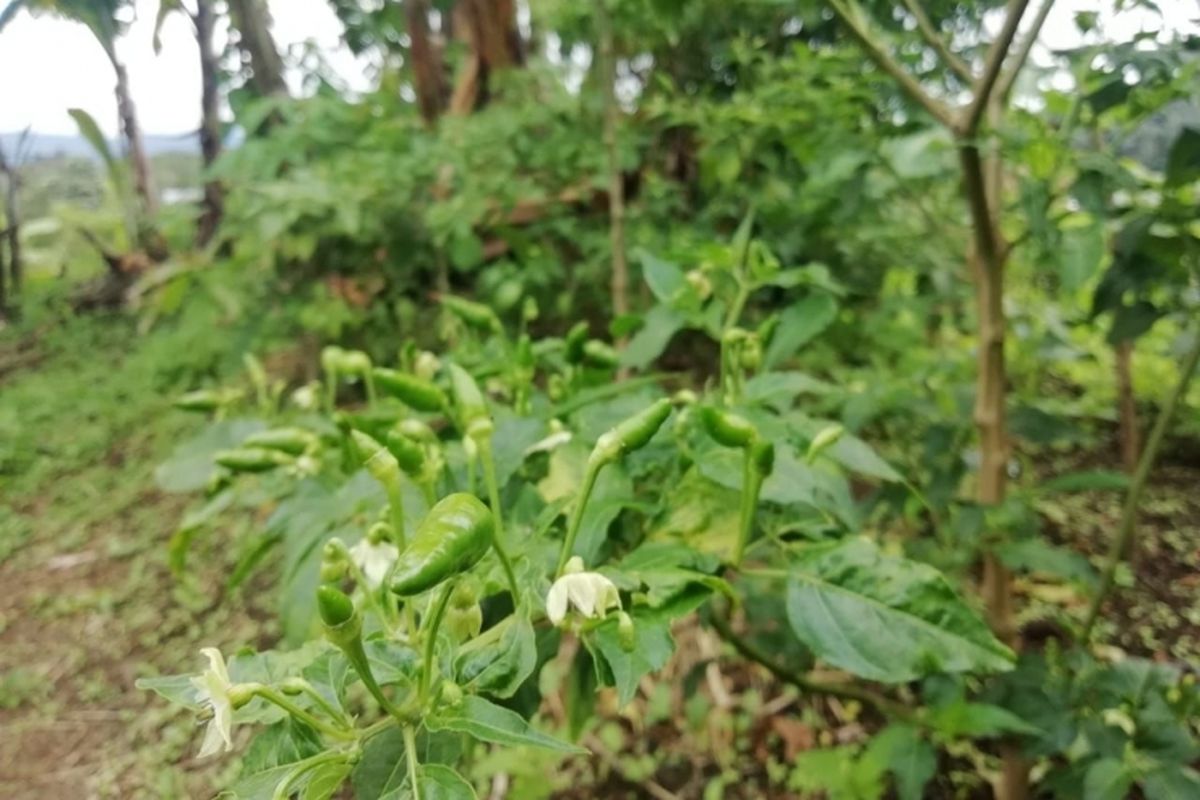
(374, 559)
(215, 689)
(306, 397)
(591, 594)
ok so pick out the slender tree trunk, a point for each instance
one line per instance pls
(1127, 422)
(426, 61)
(12, 231)
(253, 23)
(616, 185)
(489, 28)
(213, 204)
(142, 181)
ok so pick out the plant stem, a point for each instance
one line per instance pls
(846, 691)
(324, 703)
(395, 497)
(284, 788)
(484, 443)
(431, 626)
(589, 483)
(369, 380)
(272, 696)
(358, 659)
(1124, 538)
(752, 481)
(330, 391)
(410, 754)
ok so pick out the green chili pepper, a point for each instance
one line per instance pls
(600, 354)
(472, 407)
(355, 362)
(417, 430)
(204, 400)
(412, 391)
(453, 537)
(727, 428)
(379, 461)
(293, 441)
(575, 341)
(251, 459)
(331, 359)
(335, 607)
(477, 315)
(409, 454)
(632, 434)
(825, 439)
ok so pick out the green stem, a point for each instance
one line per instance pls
(846, 691)
(1124, 538)
(324, 703)
(330, 391)
(493, 489)
(358, 659)
(410, 753)
(395, 497)
(272, 696)
(752, 481)
(429, 492)
(589, 483)
(431, 625)
(369, 380)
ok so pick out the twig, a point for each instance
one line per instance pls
(1009, 76)
(649, 785)
(991, 68)
(931, 34)
(1124, 538)
(852, 17)
(847, 691)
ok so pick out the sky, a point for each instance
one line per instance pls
(49, 65)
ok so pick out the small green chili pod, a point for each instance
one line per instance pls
(600, 354)
(727, 428)
(377, 459)
(477, 315)
(415, 393)
(355, 362)
(575, 341)
(632, 434)
(251, 459)
(293, 441)
(471, 405)
(331, 359)
(203, 401)
(409, 454)
(453, 537)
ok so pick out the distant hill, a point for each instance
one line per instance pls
(47, 145)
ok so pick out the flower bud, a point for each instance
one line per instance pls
(626, 633)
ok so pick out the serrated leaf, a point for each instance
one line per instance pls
(489, 722)
(885, 618)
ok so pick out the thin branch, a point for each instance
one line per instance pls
(851, 17)
(935, 40)
(1017, 62)
(991, 68)
(1124, 538)
(987, 244)
(846, 691)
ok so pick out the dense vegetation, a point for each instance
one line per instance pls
(634, 399)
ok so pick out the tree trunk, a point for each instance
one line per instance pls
(1127, 422)
(142, 182)
(607, 73)
(489, 28)
(12, 232)
(210, 122)
(253, 23)
(426, 61)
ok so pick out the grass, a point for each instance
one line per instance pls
(89, 604)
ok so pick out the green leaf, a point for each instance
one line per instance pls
(439, 782)
(781, 390)
(659, 325)
(1174, 782)
(885, 618)
(858, 456)
(176, 689)
(798, 324)
(1037, 555)
(1183, 159)
(664, 278)
(489, 722)
(190, 464)
(1081, 252)
(1107, 779)
(1132, 321)
(910, 758)
(501, 666)
(1086, 481)
(961, 719)
(839, 773)
(325, 780)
